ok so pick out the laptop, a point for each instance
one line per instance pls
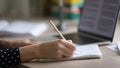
(97, 23)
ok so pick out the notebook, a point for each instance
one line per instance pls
(82, 52)
(22, 28)
(97, 22)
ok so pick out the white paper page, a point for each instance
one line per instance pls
(3, 23)
(115, 47)
(24, 27)
(38, 30)
(112, 47)
(20, 27)
(118, 46)
(88, 51)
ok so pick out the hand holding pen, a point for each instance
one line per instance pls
(54, 49)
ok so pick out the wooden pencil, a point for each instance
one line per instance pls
(53, 25)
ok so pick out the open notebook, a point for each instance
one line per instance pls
(22, 28)
(91, 51)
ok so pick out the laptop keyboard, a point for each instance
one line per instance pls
(80, 38)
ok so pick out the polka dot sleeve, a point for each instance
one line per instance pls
(9, 57)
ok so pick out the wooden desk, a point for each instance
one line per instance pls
(110, 59)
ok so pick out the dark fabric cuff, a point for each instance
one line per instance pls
(9, 57)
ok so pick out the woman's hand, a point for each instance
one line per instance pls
(47, 50)
(55, 49)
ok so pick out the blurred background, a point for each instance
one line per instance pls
(19, 12)
(40, 9)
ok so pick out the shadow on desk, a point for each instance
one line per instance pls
(19, 66)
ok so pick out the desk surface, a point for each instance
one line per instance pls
(110, 59)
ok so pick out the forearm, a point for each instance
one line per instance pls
(5, 43)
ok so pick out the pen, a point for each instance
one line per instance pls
(53, 25)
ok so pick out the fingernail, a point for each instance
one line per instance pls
(70, 41)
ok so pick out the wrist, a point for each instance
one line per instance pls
(37, 51)
(28, 53)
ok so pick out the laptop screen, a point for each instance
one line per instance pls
(99, 17)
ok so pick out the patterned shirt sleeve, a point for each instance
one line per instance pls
(9, 57)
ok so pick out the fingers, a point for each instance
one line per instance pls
(62, 52)
(66, 51)
(69, 44)
(67, 48)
